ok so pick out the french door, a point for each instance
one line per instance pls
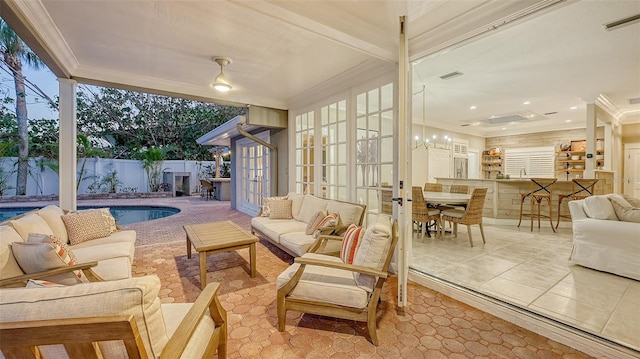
(254, 182)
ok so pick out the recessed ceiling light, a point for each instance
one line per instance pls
(417, 137)
(526, 103)
(504, 128)
(531, 116)
(573, 107)
(472, 107)
(567, 121)
(477, 123)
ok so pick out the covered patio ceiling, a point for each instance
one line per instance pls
(282, 50)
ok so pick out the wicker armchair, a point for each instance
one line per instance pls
(421, 213)
(472, 215)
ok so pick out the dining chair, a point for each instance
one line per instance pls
(422, 214)
(433, 187)
(208, 187)
(459, 188)
(471, 215)
(581, 188)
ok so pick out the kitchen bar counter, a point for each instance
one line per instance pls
(502, 203)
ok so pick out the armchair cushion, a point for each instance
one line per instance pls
(328, 285)
(135, 296)
(173, 314)
(30, 223)
(373, 250)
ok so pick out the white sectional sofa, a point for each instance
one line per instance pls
(113, 253)
(601, 240)
(290, 234)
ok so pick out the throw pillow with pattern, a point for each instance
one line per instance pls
(330, 220)
(350, 243)
(280, 209)
(39, 257)
(86, 225)
(266, 209)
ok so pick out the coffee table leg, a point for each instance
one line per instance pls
(188, 248)
(203, 270)
(252, 255)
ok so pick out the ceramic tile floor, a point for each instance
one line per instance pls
(531, 270)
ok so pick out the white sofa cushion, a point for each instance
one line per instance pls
(274, 228)
(599, 207)
(296, 203)
(349, 213)
(52, 215)
(297, 242)
(8, 265)
(373, 249)
(310, 206)
(327, 285)
(30, 223)
(135, 296)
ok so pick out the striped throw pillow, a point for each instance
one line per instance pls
(350, 243)
(330, 220)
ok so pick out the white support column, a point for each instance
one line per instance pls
(403, 147)
(67, 144)
(591, 121)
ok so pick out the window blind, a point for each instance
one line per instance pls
(536, 161)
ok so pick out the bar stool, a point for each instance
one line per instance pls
(580, 188)
(540, 189)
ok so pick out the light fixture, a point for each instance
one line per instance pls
(220, 83)
(472, 107)
(527, 103)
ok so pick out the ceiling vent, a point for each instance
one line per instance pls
(634, 101)
(510, 118)
(451, 75)
(550, 113)
(618, 23)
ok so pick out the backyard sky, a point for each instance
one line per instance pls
(37, 107)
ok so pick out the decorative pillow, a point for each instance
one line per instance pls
(373, 249)
(38, 257)
(86, 225)
(280, 209)
(49, 238)
(37, 283)
(350, 243)
(599, 207)
(330, 220)
(635, 202)
(30, 223)
(624, 210)
(315, 221)
(266, 209)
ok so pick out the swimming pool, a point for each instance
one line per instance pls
(122, 214)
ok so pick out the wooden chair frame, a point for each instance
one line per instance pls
(80, 336)
(23, 279)
(287, 301)
(581, 188)
(472, 215)
(421, 214)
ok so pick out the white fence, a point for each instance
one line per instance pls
(42, 180)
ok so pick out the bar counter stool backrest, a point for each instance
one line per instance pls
(581, 188)
(541, 189)
(208, 187)
(433, 187)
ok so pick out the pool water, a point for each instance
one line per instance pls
(122, 214)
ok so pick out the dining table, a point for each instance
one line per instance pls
(446, 198)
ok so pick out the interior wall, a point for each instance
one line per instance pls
(631, 133)
(540, 139)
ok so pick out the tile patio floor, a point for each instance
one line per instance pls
(431, 326)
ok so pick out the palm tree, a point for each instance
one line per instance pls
(14, 52)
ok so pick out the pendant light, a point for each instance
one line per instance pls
(220, 83)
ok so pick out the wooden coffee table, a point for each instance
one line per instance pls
(218, 237)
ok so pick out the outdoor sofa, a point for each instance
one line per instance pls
(288, 222)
